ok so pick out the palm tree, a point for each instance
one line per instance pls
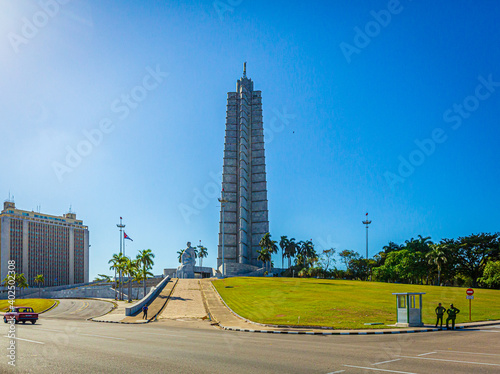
(437, 256)
(179, 253)
(21, 282)
(284, 243)
(131, 268)
(264, 256)
(145, 259)
(39, 279)
(114, 263)
(202, 253)
(270, 245)
(291, 251)
(120, 267)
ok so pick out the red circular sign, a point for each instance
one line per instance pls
(470, 291)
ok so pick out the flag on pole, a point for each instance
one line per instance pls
(125, 236)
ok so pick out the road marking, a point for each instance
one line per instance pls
(152, 333)
(425, 354)
(26, 340)
(83, 307)
(385, 362)
(40, 328)
(376, 369)
(471, 353)
(460, 362)
(338, 371)
(488, 331)
(101, 336)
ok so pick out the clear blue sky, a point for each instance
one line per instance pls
(355, 116)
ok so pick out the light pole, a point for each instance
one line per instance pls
(223, 204)
(366, 222)
(121, 226)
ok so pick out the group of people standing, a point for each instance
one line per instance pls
(452, 315)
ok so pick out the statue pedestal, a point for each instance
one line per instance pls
(185, 272)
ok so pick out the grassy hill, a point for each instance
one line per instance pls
(343, 304)
(38, 305)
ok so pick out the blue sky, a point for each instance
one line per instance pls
(343, 128)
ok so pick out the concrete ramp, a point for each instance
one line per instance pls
(186, 301)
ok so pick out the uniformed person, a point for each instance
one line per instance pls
(452, 315)
(439, 314)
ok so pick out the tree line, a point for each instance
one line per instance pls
(472, 261)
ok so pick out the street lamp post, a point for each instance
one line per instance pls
(121, 226)
(223, 204)
(367, 222)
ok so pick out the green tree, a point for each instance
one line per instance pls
(202, 253)
(114, 266)
(264, 256)
(437, 256)
(473, 253)
(491, 274)
(346, 256)
(268, 244)
(120, 268)
(290, 251)
(284, 242)
(145, 260)
(327, 258)
(179, 254)
(21, 282)
(131, 269)
(39, 279)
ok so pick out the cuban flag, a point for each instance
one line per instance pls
(125, 236)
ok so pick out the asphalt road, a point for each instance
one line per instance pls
(78, 309)
(73, 345)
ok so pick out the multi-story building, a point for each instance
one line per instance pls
(245, 214)
(55, 246)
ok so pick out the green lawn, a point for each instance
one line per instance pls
(343, 304)
(38, 305)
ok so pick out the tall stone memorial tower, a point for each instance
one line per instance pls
(244, 181)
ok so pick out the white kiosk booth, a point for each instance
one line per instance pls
(409, 308)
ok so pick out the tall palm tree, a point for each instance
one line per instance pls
(264, 256)
(39, 279)
(270, 245)
(284, 242)
(202, 253)
(114, 263)
(21, 282)
(120, 267)
(437, 256)
(145, 260)
(291, 251)
(131, 268)
(179, 254)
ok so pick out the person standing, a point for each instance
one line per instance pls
(439, 314)
(452, 315)
(145, 312)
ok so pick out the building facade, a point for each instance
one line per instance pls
(245, 214)
(55, 246)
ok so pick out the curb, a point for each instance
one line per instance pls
(52, 307)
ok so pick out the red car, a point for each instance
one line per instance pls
(21, 314)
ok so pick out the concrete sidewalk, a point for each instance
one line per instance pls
(186, 301)
(158, 304)
(228, 320)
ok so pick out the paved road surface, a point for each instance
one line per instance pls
(78, 309)
(77, 346)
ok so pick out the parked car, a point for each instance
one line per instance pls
(21, 314)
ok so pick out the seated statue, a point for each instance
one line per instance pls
(188, 261)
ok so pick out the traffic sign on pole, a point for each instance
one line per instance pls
(470, 297)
